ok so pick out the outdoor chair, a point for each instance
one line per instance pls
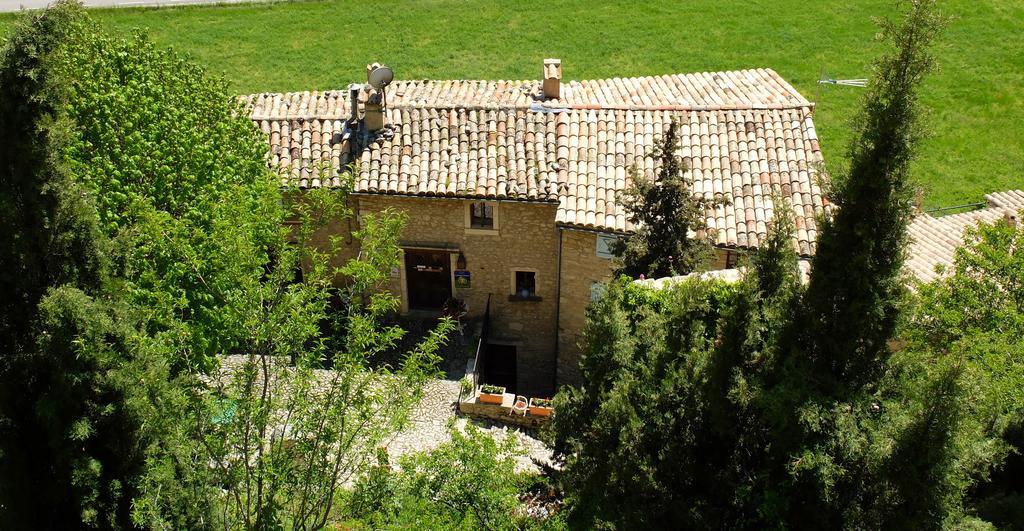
(519, 406)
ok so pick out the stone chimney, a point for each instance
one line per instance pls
(373, 109)
(552, 86)
(373, 112)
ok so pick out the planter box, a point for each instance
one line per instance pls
(540, 411)
(492, 398)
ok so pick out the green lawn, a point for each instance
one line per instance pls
(976, 101)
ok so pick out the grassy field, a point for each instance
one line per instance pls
(976, 99)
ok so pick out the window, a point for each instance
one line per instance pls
(731, 259)
(606, 245)
(524, 285)
(481, 216)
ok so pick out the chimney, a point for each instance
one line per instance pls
(552, 86)
(373, 109)
(373, 112)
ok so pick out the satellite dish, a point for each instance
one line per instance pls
(380, 77)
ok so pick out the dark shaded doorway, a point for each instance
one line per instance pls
(428, 277)
(500, 366)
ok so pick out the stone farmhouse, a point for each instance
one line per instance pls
(510, 186)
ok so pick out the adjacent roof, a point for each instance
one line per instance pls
(745, 135)
(934, 240)
(729, 276)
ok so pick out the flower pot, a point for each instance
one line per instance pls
(492, 398)
(540, 411)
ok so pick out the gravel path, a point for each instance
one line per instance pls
(427, 428)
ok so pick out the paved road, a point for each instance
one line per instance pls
(15, 5)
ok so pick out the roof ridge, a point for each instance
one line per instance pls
(757, 88)
(553, 109)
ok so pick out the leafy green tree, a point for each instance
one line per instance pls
(664, 212)
(150, 239)
(469, 482)
(976, 314)
(143, 133)
(278, 432)
(160, 144)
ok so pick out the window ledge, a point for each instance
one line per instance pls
(483, 232)
(528, 298)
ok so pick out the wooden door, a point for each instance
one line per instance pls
(428, 278)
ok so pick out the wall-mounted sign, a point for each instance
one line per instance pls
(462, 279)
(605, 246)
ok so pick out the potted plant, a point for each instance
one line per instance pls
(541, 407)
(491, 394)
(466, 387)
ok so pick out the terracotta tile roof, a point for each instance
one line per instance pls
(742, 89)
(934, 240)
(496, 154)
(741, 155)
(744, 134)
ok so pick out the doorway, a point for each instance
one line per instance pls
(500, 366)
(428, 278)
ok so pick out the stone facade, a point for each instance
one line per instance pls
(581, 269)
(525, 239)
(568, 265)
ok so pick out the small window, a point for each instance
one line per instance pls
(606, 245)
(481, 216)
(731, 259)
(524, 285)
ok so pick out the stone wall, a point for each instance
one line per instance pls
(581, 269)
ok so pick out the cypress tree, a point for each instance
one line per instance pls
(70, 436)
(852, 302)
(664, 212)
(49, 233)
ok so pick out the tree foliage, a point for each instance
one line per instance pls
(146, 239)
(469, 482)
(854, 295)
(630, 435)
(975, 314)
(281, 428)
(73, 435)
(785, 407)
(671, 236)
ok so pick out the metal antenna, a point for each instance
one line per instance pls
(823, 79)
(863, 82)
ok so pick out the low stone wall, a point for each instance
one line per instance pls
(501, 413)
